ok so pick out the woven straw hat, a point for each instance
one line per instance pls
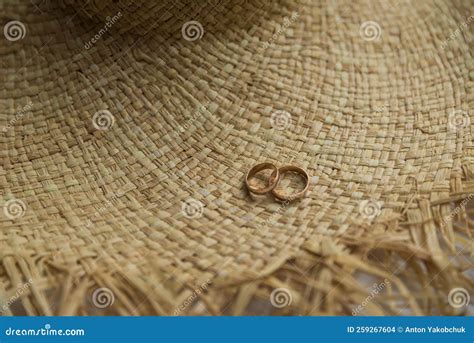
(128, 128)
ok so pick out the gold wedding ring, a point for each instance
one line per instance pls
(272, 180)
(297, 195)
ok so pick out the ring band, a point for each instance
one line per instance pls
(272, 180)
(293, 196)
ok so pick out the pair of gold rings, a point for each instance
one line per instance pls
(274, 179)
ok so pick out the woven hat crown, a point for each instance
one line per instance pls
(128, 128)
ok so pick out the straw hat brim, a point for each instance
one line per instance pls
(126, 141)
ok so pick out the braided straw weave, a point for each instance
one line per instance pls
(128, 128)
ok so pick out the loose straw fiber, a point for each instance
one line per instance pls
(126, 138)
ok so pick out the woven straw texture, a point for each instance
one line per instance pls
(128, 128)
